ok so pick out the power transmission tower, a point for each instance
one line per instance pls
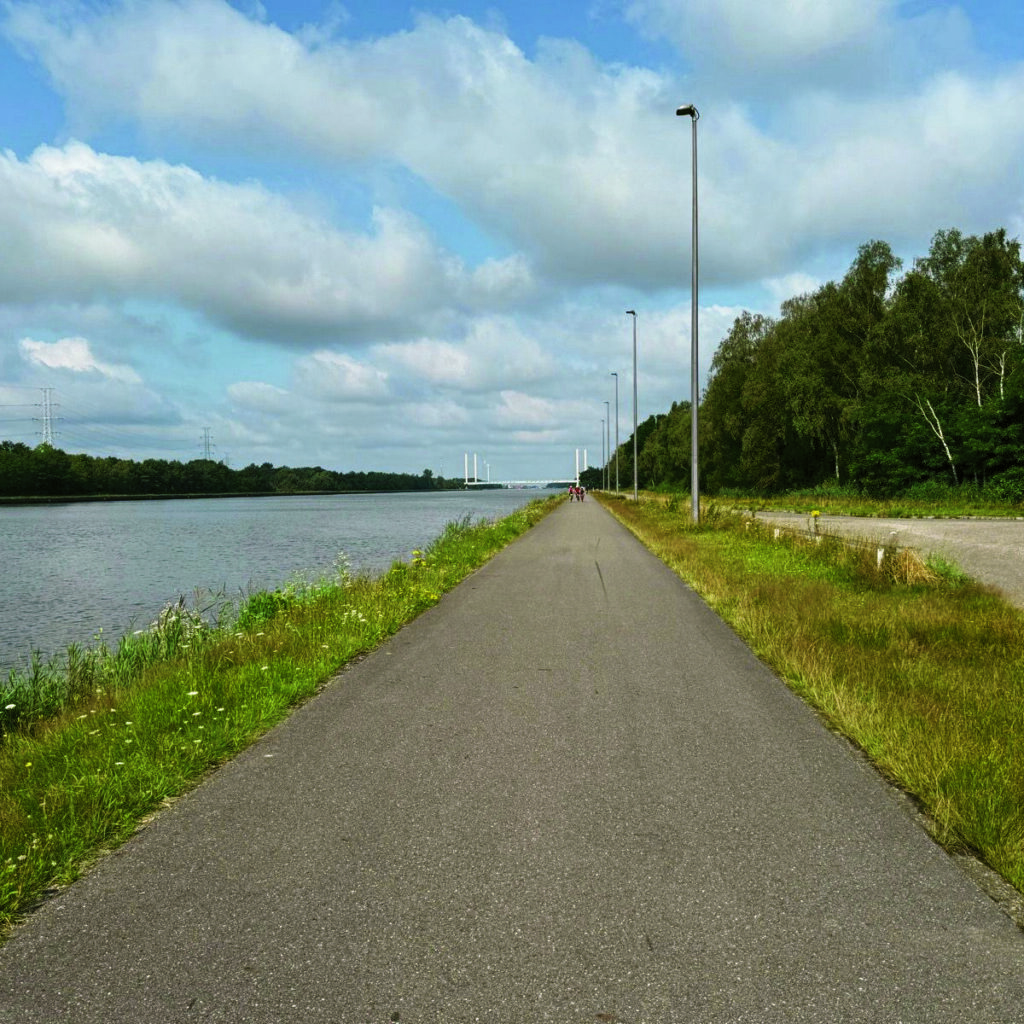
(47, 416)
(207, 443)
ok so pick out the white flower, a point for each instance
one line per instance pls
(10, 707)
(192, 693)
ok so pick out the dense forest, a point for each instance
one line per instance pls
(49, 472)
(884, 382)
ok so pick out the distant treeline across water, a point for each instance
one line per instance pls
(45, 471)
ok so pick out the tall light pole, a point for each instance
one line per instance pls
(691, 112)
(632, 313)
(616, 376)
(604, 468)
(608, 431)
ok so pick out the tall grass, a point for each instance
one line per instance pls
(918, 665)
(930, 499)
(124, 729)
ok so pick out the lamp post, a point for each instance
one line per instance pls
(608, 449)
(616, 376)
(691, 111)
(603, 466)
(632, 313)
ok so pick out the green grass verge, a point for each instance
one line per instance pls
(918, 665)
(119, 732)
(938, 501)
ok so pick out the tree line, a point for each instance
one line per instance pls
(881, 382)
(45, 471)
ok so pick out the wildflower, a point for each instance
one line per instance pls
(28, 764)
(192, 693)
(264, 668)
(118, 762)
(94, 732)
(10, 707)
(194, 713)
(220, 709)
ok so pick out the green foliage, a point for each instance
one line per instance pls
(45, 471)
(879, 381)
(258, 609)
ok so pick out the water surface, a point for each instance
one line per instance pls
(70, 571)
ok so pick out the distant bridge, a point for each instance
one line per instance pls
(515, 483)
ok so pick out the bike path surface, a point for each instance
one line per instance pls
(567, 793)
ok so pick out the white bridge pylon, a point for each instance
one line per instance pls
(475, 481)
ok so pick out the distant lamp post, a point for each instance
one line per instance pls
(632, 313)
(603, 468)
(608, 449)
(690, 111)
(616, 376)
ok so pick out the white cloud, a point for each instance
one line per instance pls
(78, 225)
(74, 354)
(258, 396)
(789, 286)
(781, 31)
(336, 376)
(497, 352)
(582, 166)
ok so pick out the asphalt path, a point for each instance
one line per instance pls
(990, 550)
(567, 793)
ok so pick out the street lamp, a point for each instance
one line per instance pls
(616, 376)
(632, 313)
(603, 467)
(691, 112)
(608, 431)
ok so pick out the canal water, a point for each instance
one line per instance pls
(70, 571)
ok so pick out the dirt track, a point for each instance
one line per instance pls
(990, 550)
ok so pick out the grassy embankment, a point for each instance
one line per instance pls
(95, 741)
(919, 666)
(932, 500)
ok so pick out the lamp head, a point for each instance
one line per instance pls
(688, 111)
(630, 312)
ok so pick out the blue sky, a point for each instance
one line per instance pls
(375, 236)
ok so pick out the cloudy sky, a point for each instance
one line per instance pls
(378, 236)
